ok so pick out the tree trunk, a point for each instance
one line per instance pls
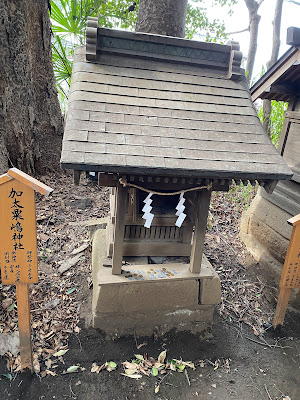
(162, 17)
(274, 56)
(30, 117)
(254, 19)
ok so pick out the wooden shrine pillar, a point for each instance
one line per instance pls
(119, 229)
(202, 207)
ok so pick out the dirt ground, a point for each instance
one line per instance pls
(244, 359)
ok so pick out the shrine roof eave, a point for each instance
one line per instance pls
(284, 174)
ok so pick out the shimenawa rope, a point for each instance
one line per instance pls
(125, 183)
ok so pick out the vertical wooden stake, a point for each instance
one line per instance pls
(119, 228)
(282, 303)
(23, 302)
(203, 201)
(77, 174)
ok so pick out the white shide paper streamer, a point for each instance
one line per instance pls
(148, 216)
(179, 213)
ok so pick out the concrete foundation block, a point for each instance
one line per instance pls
(210, 290)
(271, 215)
(107, 298)
(129, 307)
(194, 320)
(272, 240)
(165, 295)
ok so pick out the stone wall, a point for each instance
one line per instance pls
(266, 234)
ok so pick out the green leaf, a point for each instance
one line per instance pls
(11, 307)
(8, 376)
(71, 290)
(112, 365)
(72, 369)
(139, 357)
(156, 390)
(60, 353)
(154, 371)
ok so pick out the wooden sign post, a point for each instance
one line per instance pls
(18, 246)
(290, 277)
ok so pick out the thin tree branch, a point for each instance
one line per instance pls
(294, 2)
(243, 30)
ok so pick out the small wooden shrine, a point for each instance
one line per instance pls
(282, 83)
(151, 114)
(263, 226)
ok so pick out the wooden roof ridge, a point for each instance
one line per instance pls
(15, 173)
(290, 58)
(224, 57)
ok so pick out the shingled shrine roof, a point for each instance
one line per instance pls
(150, 104)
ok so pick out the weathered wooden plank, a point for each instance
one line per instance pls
(161, 186)
(139, 74)
(158, 220)
(23, 301)
(159, 112)
(111, 180)
(102, 89)
(206, 63)
(259, 90)
(73, 134)
(119, 227)
(202, 207)
(187, 164)
(152, 119)
(82, 125)
(173, 122)
(154, 65)
(224, 155)
(101, 159)
(113, 136)
(225, 167)
(292, 114)
(86, 147)
(158, 103)
(71, 157)
(171, 147)
(148, 129)
(162, 42)
(166, 84)
(242, 114)
(155, 248)
(77, 174)
(286, 127)
(225, 151)
(282, 303)
(172, 167)
(151, 65)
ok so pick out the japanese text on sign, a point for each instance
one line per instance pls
(18, 257)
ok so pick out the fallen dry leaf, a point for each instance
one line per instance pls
(141, 345)
(134, 376)
(162, 357)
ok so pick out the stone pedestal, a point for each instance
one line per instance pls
(151, 297)
(266, 234)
